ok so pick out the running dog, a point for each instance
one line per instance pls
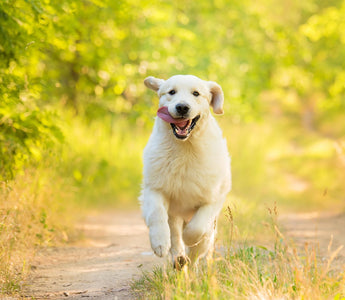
(186, 168)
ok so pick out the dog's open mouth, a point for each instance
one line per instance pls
(181, 127)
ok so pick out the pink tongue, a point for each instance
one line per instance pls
(163, 113)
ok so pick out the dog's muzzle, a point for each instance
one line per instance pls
(183, 130)
(181, 127)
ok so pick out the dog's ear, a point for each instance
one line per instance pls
(153, 83)
(217, 100)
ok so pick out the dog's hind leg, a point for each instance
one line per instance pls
(177, 249)
(155, 207)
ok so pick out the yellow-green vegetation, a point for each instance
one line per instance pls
(240, 270)
(75, 116)
(277, 161)
(106, 161)
(93, 168)
(34, 212)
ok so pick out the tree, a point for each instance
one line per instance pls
(24, 127)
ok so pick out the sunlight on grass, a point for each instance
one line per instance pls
(35, 212)
(276, 162)
(104, 159)
(239, 270)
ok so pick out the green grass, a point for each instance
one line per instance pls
(249, 270)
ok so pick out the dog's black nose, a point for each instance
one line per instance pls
(182, 109)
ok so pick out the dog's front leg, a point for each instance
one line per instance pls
(155, 213)
(177, 250)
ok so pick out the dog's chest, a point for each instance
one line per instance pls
(185, 177)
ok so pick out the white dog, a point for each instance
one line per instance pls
(186, 168)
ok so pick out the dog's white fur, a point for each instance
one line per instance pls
(185, 181)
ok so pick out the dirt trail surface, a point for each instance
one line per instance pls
(115, 251)
(323, 231)
(117, 248)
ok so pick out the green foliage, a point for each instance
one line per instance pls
(93, 56)
(17, 22)
(25, 128)
(103, 160)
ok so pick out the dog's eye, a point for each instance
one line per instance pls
(196, 94)
(172, 92)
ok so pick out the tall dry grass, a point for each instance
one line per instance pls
(34, 212)
(98, 166)
(242, 270)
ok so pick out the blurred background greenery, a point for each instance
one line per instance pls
(75, 115)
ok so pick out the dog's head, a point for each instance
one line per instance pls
(184, 100)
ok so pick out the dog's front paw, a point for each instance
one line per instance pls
(161, 250)
(160, 241)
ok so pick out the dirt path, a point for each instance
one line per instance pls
(117, 249)
(323, 231)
